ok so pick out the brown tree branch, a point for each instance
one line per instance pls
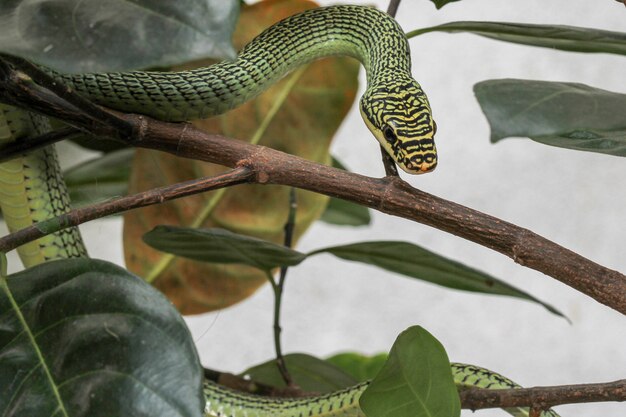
(393, 196)
(542, 398)
(389, 195)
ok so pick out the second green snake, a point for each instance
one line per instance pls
(224, 402)
(394, 108)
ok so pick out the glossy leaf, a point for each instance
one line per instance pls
(568, 115)
(414, 382)
(221, 246)
(116, 35)
(345, 213)
(308, 372)
(360, 367)
(298, 115)
(416, 262)
(566, 38)
(440, 3)
(100, 178)
(87, 337)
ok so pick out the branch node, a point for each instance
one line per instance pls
(263, 177)
(140, 127)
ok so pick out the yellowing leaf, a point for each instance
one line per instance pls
(297, 115)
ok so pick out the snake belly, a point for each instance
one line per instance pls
(393, 107)
(32, 189)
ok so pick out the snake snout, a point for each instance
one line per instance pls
(421, 163)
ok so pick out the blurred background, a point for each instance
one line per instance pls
(570, 197)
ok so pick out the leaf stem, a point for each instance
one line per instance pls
(278, 290)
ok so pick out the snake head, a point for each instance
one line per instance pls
(398, 114)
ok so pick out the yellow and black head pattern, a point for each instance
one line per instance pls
(399, 116)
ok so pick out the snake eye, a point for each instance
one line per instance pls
(389, 135)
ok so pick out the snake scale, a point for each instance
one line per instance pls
(393, 106)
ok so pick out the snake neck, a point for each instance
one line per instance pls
(365, 33)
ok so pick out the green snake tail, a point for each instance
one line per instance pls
(224, 402)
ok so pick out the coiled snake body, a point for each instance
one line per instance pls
(394, 108)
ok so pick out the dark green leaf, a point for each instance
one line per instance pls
(100, 178)
(568, 115)
(566, 38)
(416, 380)
(345, 213)
(361, 367)
(416, 262)
(309, 373)
(221, 246)
(440, 3)
(89, 338)
(116, 35)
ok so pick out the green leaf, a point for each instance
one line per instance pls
(116, 35)
(565, 38)
(440, 3)
(416, 262)
(345, 213)
(416, 380)
(221, 246)
(568, 115)
(360, 367)
(308, 372)
(82, 337)
(100, 178)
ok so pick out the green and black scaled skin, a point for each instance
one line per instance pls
(224, 402)
(393, 106)
(32, 189)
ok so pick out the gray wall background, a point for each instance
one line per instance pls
(570, 197)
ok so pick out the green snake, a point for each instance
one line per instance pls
(224, 402)
(393, 106)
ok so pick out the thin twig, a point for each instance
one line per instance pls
(251, 386)
(390, 166)
(279, 288)
(117, 205)
(17, 148)
(392, 9)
